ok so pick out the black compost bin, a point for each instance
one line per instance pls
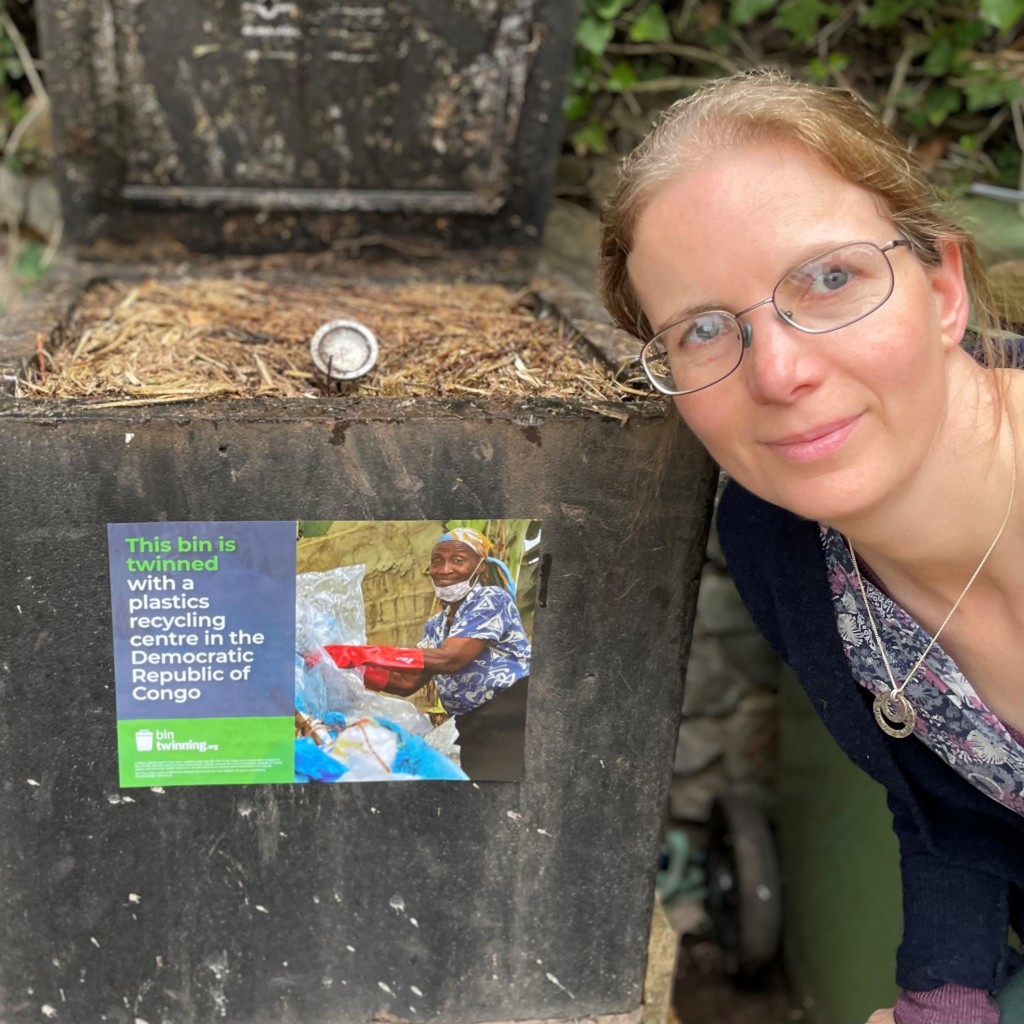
(255, 125)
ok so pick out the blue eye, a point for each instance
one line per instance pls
(831, 279)
(705, 329)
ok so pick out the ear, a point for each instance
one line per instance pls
(949, 287)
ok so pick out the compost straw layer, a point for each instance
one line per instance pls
(138, 342)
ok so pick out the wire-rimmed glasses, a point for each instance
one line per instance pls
(824, 294)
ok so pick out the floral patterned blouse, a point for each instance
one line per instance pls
(486, 613)
(951, 718)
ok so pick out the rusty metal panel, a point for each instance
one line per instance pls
(439, 118)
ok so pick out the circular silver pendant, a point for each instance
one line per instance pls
(344, 349)
(894, 714)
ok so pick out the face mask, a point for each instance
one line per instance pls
(457, 591)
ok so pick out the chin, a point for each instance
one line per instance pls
(822, 501)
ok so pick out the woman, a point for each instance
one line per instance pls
(474, 649)
(799, 292)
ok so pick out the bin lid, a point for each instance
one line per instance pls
(273, 123)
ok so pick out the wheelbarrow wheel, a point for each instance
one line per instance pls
(743, 888)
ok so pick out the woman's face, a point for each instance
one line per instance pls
(824, 425)
(451, 561)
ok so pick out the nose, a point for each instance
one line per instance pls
(781, 363)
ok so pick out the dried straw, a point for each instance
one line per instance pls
(154, 341)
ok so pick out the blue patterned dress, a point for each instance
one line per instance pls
(486, 613)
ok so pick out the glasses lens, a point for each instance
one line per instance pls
(835, 289)
(693, 353)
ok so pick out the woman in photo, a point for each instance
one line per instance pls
(474, 649)
(802, 294)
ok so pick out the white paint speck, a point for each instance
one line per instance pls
(373, 810)
(134, 897)
(157, 789)
(327, 982)
(262, 909)
(63, 998)
(397, 903)
(351, 949)
(384, 988)
(55, 962)
(543, 832)
(20, 612)
(139, 1020)
(514, 815)
(600, 761)
(415, 991)
(316, 899)
(128, 438)
(32, 782)
(48, 1010)
(94, 941)
(554, 981)
(414, 922)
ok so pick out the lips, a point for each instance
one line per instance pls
(817, 442)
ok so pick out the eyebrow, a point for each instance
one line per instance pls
(811, 253)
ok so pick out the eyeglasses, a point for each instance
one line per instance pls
(825, 294)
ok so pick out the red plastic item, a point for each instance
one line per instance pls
(356, 655)
(375, 678)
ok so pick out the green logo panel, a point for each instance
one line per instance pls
(206, 751)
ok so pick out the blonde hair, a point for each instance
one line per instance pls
(833, 125)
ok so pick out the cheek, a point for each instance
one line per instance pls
(712, 422)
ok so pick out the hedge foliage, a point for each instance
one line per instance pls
(947, 76)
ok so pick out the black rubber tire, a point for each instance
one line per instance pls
(744, 888)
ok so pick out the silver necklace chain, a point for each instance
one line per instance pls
(893, 711)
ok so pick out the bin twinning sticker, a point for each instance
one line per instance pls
(203, 656)
(241, 652)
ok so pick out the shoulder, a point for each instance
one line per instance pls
(489, 598)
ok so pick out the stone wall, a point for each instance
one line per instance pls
(729, 729)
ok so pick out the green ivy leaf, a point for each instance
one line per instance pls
(594, 35)
(885, 13)
(940, 102)
(940, 57)
(591, 138)
(802, 18)
(651, 26)
(743, 12)
(622, 77)
(984, 93)
(1004, 14)
(576, 106)
(607, 10)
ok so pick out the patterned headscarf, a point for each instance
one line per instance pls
(482, 546)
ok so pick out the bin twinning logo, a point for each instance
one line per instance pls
(144, 742)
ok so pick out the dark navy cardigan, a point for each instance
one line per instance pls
(961, 852)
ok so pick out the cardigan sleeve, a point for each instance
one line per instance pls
(955, 915)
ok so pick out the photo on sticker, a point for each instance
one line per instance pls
(413, 649)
